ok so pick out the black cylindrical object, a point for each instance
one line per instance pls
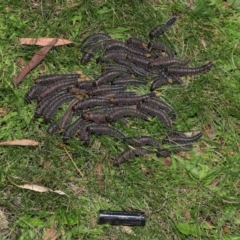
(121, 218)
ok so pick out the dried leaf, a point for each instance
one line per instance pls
(167, 162)
(36, 59)
(3, 112)
(3, 221)
(22, 142)
(127, 229)
(187, 214)
(38, 188)
(51, 234)
(44, 41)
(99, 175)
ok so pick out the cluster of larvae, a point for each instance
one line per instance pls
(94, 105)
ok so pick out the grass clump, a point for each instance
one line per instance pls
(193, 195)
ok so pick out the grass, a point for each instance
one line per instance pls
(196, 197)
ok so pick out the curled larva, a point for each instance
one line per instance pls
(182, 139)
(128, 154)
(181, 70)
(155, 112)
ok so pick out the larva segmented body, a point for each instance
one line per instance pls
(51, 110)
(125, 81)
(126, 112)
(78, 91)
(62, 85)
(94, 117)
(155, 113)
(167, 61)
(90, 102)
(167, 152)
(89, 52)
(128, 154)
(93, 38)
(87, 85)
(33, 92)
(160, 29)
(131, 100)
(143, 141)
(63, 121)
(101, 129)
(182, 71)
(182, 139)
(116, 56)
(72, 129)
(160, 80)
(156, 103)
(121, 47)
(109, 89)
(106, 77)
(139, 61)
(161, 47)
(137, 43)
(84, 134)
(44, 103)
(170, 22)
(55, 78)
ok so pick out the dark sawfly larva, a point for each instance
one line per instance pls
(167, 61)
(181, 139)
(44, 103)
(62, 85)
(63, 121)
(54, 78)
(160, 29)
(108, 89)
(90, 51)
(137, 43)
(142, 141)
(128, 154)
(93, 38)
(161, 47)
(158, 81)
(168, 152)
(116, 55)
(182, 71)
(33, 92)
(84, 134)
(156, 103)
(139, 61)
(126, 112)
(72, 129)
(94, 117)
(90, 102)
(119, 46)
(131, 100)
(102, 129)
(159, 113)
(51, 110)
(87, 85)
(126, 81)
(106, 77)
(78, 91)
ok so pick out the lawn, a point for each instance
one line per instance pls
(189, 195)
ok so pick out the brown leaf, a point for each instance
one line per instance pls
(3, 112)
(99, 175)
(36, 59)
(167, 162)
(187, 214)
(51, 234)
(22, 142)
(44, 41)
